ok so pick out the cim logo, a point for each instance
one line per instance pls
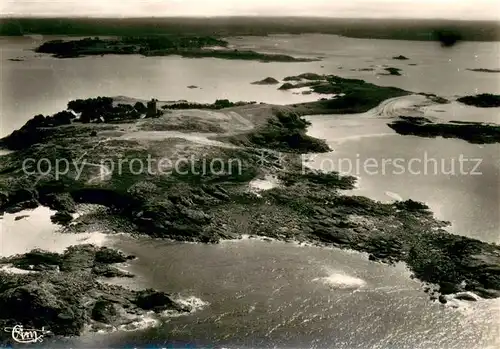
(26, 336)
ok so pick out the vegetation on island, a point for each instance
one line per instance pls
(292, 78)
(218, 104)
(401, 58)
(92, 110)
(351, 95)
(484, 100)
(185, 46)
(147, 45)
(285, 132)
(472, 132)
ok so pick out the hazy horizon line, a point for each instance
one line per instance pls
(19, 16)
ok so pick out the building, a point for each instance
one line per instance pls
(151, 109)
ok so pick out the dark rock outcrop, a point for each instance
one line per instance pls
(62, 218)
(472, 132)
(286, 86)
(484, 70)
(465, 297)
(157, 301)
(393, 71)
(266, 81)
(484, 100)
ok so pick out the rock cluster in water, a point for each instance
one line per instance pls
(63, 292)
(401, 58)
(266, 81)
(472, 132)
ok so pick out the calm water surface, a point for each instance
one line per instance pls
(42, 84)
(469, 197)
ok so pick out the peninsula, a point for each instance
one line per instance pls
(206, 204)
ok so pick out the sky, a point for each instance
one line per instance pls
(450, 9)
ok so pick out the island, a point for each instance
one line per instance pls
(484, 70)
(401, 58)
(472, 132)
(194, 202)
(266, 81)
(305, 76)
(347, 96)
(393, 71)
(166, 45)
(484, 100)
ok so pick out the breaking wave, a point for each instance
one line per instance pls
(338, 280)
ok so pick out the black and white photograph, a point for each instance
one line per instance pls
(250, 174)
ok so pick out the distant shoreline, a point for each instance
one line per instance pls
(400, 29)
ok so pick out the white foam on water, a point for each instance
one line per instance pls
(193, 302)
(140, 322)
(135, 323)
(469, 308)
(339, 280)
(149, 319)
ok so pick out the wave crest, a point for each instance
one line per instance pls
(341, 281)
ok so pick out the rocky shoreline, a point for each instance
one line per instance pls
(64, 293)
(191, 203)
